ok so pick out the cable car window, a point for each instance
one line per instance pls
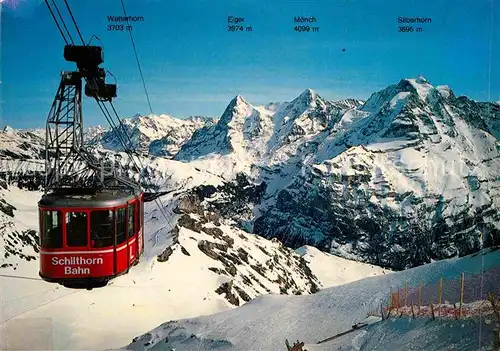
(121, 234)
(101, 228)
(52, 237)
(137, 219)
(76, 228)
(131, 224)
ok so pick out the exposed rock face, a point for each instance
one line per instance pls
(6, 208)
(226, 288)
(16, 242)
(187, 222)
(189, 204)
(184, 251)
(234, 200)
(163, 257)
(251, 267)
(244, 296)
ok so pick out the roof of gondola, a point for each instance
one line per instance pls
(93, 198)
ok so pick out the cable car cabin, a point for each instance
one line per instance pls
(86, 239)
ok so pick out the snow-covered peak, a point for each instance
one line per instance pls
(240, 100)
(308, 95)
(421, 80)
(349, 103)
(8, 129)
(237, 107)
(445, 91)
(307, 99)
(160, 135)
(22, 144)
(418, 87)
(421, 85)
(93, 134)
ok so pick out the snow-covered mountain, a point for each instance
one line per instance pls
(157, 135)
(255, 134)
(405, 178)
(413, 167)
(409, 177)
(22, 144)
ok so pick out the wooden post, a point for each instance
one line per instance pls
(398, 302)
(297, 346)
(440, 295)
(495, 305)
(432, 311)
(461, 294)
(419, 294)
(390, 299)
(496, 330)
(406, 294)
(412, 311)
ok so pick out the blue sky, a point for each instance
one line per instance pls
(194, 66)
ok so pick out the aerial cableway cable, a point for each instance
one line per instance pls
(143, 84)
(137, 58)
(491, 115)
(57, 23)
(127, 149)
(64, 24)
(108, 116)
(157, 200)
(74, 22)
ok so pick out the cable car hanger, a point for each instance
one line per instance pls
(107, 94)
(91, 216)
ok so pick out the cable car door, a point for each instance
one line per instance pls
(132, 232)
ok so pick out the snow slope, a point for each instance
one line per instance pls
(181, 287)
(333, 270)
(410, 334)
(265, 322)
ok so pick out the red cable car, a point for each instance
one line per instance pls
(91, 217)
(88, 238)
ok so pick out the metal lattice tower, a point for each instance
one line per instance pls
(68, 165)
(64, 133)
